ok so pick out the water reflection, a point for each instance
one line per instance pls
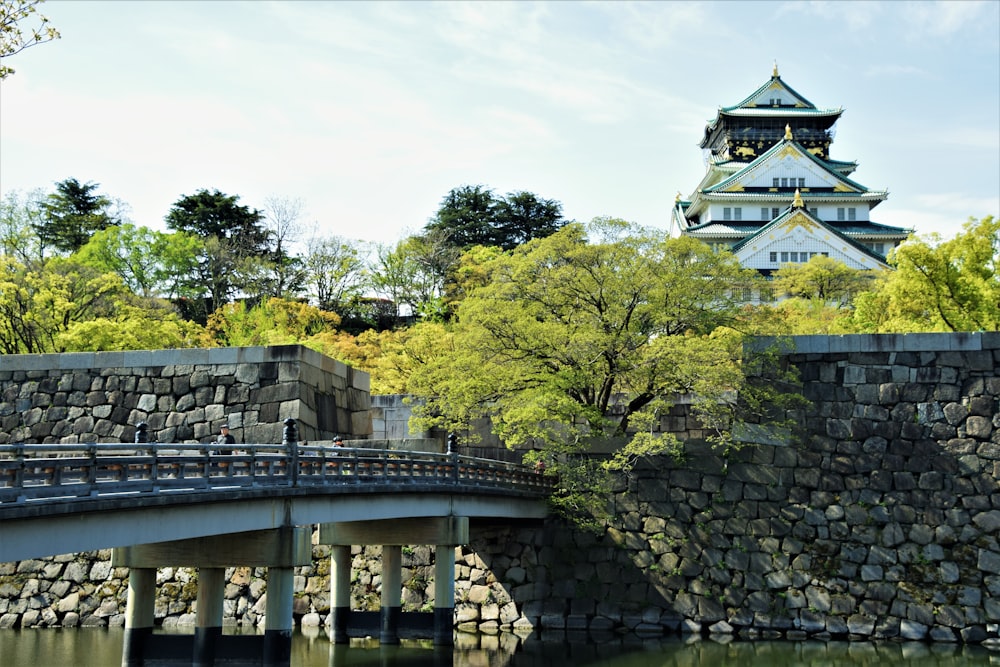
(95, 647)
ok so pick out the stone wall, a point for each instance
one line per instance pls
(882, 520)
(183, 395)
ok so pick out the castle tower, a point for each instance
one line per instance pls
(773, 195)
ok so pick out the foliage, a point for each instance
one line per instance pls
(402, 276)
(391, 356)
(72, 214)
(822, 279)
(334, 276)
(575, 336)
(20, 215)
(13, 38)
(40, 302)
(287, 272)
(938, 285)
(798, 316)
(472, 215)
(235, 250)
(132, 325)
(272, 322)
(150, 263)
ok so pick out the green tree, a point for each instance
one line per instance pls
(133, 324)
(588, 333)
(44, 303)
(402, 276)
(472, 215)
(822, 279)
(14, 37)
(72, 214)
(271, 322)
(335, 277)
(938, 285)
(522, 216)
(150, 263)
(236, 246)
(20, 216)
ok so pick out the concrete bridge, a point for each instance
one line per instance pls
(161, 505)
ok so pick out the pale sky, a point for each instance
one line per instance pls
(370, 112)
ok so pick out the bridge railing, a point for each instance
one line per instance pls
(50, 473)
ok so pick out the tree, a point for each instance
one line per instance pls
(72, 214)
(822, 279)
(150, 263)
(272, 322)
(588, 334)
(20, 217)
(938, 285)
(465, 216)
(281, 218)
(235, 245)
(334, 275)
(13, 40)
(40, 302)
(472, 215)
(522, 216)
(401, 275)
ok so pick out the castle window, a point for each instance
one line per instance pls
(748, 294)
(840, 214)
(784, 182)
(738, 213)
(802, 182)
(852, 214)
(774, 212)
(767, 294)
(784, 257)
(763, 214)
(815, 212)
(774, 258)
(727, 213)
(775, 182)
(825, 254)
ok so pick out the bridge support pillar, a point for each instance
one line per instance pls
(444, 595)
(340, 592)
(138, 614)
(392, 589)
(278, 617)
(208, 617)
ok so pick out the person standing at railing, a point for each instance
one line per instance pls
(226, 438)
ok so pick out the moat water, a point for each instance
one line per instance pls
(97, 647)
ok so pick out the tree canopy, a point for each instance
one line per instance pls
(823, 279)
(15, 36)
(473, 215)
(235, 253)
(588, 334)
(72, 214)
(937, 285)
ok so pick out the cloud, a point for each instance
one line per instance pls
(945, 18)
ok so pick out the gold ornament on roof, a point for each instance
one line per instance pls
(797, 202)
(774, 72)
(678, 197)
(788, 132)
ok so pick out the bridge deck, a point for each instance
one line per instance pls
(67, 498)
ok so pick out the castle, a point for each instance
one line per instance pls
(772, 194)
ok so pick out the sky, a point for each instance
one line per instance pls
(368, 113)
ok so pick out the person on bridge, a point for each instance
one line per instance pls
(226, 438)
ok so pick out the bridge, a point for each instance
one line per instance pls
(193, 505)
